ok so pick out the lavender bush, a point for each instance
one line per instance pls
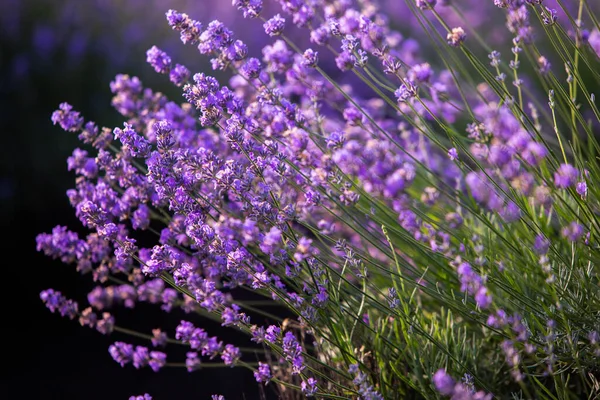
(429, 225)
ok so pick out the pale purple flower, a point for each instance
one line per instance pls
(456, 37)
(443, 382)
(453, 154)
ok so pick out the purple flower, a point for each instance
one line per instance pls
(230, 315)
(293, 352)
(88, 318)
(309, 387)
(310, 58)
(274, 26)
(68, 119)
(141, 357)
(179, 75)
(483, 298)
(272, 333)
(192, 362)
(453, 154)
(230, 354)
(184, 331)
(443, 382)
(56, 301)
(250, 8)
(159, 338)
(251, 69)
(541, 245)
(456, 37)
(405, 92)
(345, 61)
(158, 359)
(469, 279)
(105, 325)
(565, 176)
(573, 232)
(189, 29)
(549, 16)
(159, 60)
(263, 373)
(544, 65)
(594, 41)
(581, 189)
(121, 352)
(145, 396)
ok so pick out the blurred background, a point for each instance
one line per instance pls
(69, 50)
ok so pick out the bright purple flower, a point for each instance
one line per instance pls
(250, 8)
(199, 340)
(293, 352)
(212, 347)
(274, 26)
(81, 164)
(272, 333)
(121, 352)
(179, 75)
(68, 119)
(141, 357)
(277, 57)
(56, 301)
(189, 28)
(581, 189)
(159, 60)
(251, 69)
(310, 58)
(184, 331)
(263, 373)
(230, 354)
(141, 217)
(230, 315)
(158, 359)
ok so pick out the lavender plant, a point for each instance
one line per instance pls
(430, 226)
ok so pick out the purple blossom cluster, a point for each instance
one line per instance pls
(140, 356)
(323, 199)
(447, 386)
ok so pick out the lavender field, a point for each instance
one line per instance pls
(288, 199)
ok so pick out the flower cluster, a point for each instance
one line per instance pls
(414, 215)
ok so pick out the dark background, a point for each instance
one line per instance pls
(50, 52)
